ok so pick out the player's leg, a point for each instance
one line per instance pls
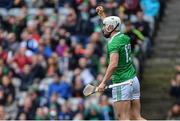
(135, 113)
(121, 97)
(122, 109)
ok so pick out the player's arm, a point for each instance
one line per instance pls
(114, 59)
(100, 12)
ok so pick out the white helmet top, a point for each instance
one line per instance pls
(112, 20)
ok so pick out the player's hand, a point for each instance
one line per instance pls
(101, 87)
(100, 11)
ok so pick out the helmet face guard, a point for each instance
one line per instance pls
(110, 24)
(108, 34)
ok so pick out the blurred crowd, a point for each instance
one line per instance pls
(174, 112)
(50, 49)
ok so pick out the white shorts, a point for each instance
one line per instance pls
(127, 92)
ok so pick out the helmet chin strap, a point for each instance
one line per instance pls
(108, 35)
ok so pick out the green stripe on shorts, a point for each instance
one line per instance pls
(118, 93)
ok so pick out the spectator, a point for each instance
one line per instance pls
(71, 21)
(96, 40)
(9, 90)
(177, 68)
(62, 33)
(174, 113)
(35, 96)
(11, 43)
(84, 27)
(77, 87)
(130, 8)
(21, 58)
(80, 108)
(151, 9)
(27, 110)
(28, 42)
(106, 108)
(61, 87)
(78, 114)
(2, 96)
(92, 113)
(92, 60)
(54, 106)
(41, 114)
(143, 27)
(103, 63)
(111, 5)
(86, 75)
(61, 47)
(11, 25)
(52, 66)
(123, 18)
(5, 69)
(65, 113)
(3, 54)
(37, 67)
(26, 78)
(78, 51)
(175, 87)
(46, 48)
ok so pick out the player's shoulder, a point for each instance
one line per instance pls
(124, 36)
(121, 38)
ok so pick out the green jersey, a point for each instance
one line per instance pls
(120, 43)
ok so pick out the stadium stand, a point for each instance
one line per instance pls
(159, 69)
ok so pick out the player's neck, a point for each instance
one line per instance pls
(113, 33)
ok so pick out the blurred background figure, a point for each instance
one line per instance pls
(174, 112)
(106, 108)
(3, 115)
